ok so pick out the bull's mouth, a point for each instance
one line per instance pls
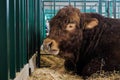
(54, 52)
(51, 51)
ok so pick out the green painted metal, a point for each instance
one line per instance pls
(4, 55)
(20, 34)
(11, 36)
(37, 30)
(100, 7)
(84, 7)
(17, 37)
(24, 33)
(42, 34)
(31, 28)
(114, 8)
(44, 23)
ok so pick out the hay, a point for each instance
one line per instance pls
(50, 74)
(53, 69)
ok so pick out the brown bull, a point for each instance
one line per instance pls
(88, 42)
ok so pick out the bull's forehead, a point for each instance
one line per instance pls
(69, 14)
(62, 19)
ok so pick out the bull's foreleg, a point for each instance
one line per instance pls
(69, 65)
(93, 66)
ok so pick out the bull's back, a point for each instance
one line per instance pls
(110, 42)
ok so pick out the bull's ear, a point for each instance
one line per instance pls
(91, 23)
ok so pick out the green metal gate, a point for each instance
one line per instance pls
(109, 8)
(21, 34)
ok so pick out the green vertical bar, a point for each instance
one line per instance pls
(75, 4)
(31, 28)
(23, 33)
(108, 9)
(100, 7)
(17, 37)
(22, 30)
(40, 14)
(111, 8)
(36, 23)
(22, 22)
(114, 8)
(25, 36)
(12, 39)
(105, 8)
(54, 6)
(43, 27)
(43, 21)
(20, 34)
(27, 29)
(34, 33)
(84, 6)
(37, 10)
(69, 2)
(4, 52)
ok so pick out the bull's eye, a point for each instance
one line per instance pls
(71, 27)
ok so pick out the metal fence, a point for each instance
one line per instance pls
(21, 33)
(109, 8)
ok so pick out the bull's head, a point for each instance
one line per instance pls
(66, 30)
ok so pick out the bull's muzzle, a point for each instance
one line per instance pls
(50, 46)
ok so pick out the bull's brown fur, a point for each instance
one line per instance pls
(84, 49)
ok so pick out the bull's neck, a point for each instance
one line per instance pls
(91, 39)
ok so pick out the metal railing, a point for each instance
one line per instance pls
(21, 32)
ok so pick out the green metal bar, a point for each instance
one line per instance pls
(20, 34)
(17, 37)
(44, 23)
(75, 4)
(69, 2)
(41, 20)
(108, 8)
(111, 9)
(100, 7)
(84, 6)
(27, 29)
(114, 8)
(24, 32)
(12, 33)
(34, 28)
(4, 55)
(30, 28)
(37, 30)
(36, 22)
(25, 37)
(54, 6)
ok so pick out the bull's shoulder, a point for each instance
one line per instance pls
(94, 15)
(113, 21)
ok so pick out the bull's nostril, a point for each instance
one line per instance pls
(50, 44)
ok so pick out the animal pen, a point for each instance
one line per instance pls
(23, 28)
